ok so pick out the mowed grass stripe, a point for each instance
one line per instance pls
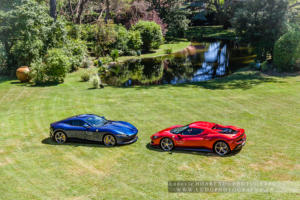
(32, 169)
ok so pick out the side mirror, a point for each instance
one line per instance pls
(86, 125)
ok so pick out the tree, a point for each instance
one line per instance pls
(174, 14)
(151, 34)
(53, 9)
(261, 23)
(24, 32)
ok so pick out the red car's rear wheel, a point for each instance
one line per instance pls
(166, 144)
(221, 148)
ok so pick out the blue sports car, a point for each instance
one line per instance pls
(95, 128)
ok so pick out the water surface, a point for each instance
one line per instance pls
(199, 62)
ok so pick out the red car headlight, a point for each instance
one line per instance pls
(155, 137)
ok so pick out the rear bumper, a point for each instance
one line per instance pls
(239, 146)
(51, 133)
(240, 143)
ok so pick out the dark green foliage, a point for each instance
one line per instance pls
(151, 34)
(135, 40)
(114, 54)
(122, 39)
(76, 51)
(24, 31)
(177, 21)
(287, 52)
(261, 23)
(168, 51)
(106, 36)
(53, 69)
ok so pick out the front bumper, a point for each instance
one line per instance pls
(127, 140)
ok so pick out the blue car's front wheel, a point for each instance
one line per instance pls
(109, 140)
(60, 137)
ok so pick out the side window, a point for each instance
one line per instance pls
(69, 122)
(192, 131)
(77, 123)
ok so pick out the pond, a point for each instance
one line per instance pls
(198, 62)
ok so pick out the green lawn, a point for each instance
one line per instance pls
(33, 167)
(210, 32)
(176, 46)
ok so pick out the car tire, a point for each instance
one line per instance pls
(109, 140)
(60, 137)
(166, 144)
(221, 148)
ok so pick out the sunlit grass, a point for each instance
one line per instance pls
(32, 167)
(174, 45)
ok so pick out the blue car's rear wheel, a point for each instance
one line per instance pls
(60, 137)
(109, 140)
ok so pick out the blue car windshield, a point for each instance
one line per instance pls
(96, 121)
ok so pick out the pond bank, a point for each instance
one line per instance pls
(177, 45)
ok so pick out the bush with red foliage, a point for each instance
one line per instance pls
(138, 10)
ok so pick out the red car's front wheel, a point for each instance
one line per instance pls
(166, 144)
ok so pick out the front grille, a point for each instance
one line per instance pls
(129, 138)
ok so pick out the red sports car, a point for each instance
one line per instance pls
(201, 135)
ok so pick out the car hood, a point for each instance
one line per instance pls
(121, 127)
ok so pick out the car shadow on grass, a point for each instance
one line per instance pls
(78, 142)
(193, 152)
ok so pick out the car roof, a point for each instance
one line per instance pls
(202, 124)
(81, 116)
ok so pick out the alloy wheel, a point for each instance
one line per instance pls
(221, 148)
(60, 137)
(109, 140)
(166, 144)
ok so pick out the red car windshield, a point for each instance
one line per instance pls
(179, 129)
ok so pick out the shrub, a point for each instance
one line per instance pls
(168, 51)
(53, 69)
(135, 40)
(85, 76)
(121, 39)
(151, 34)
(57, 65)
(106, 36)
(114, 54)
(287, 51)
(95, 81)
(76, 51)
(87, 62)
(139, 10)
(37, 72)
(74, 31)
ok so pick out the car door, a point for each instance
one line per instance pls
(191, 137)
(93, 134)
(78, 130)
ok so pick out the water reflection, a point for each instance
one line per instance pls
(198, 62)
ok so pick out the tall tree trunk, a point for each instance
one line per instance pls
(79, 10)
(53, 9)
(107, 16)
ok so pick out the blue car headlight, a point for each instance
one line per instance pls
(122, 135)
